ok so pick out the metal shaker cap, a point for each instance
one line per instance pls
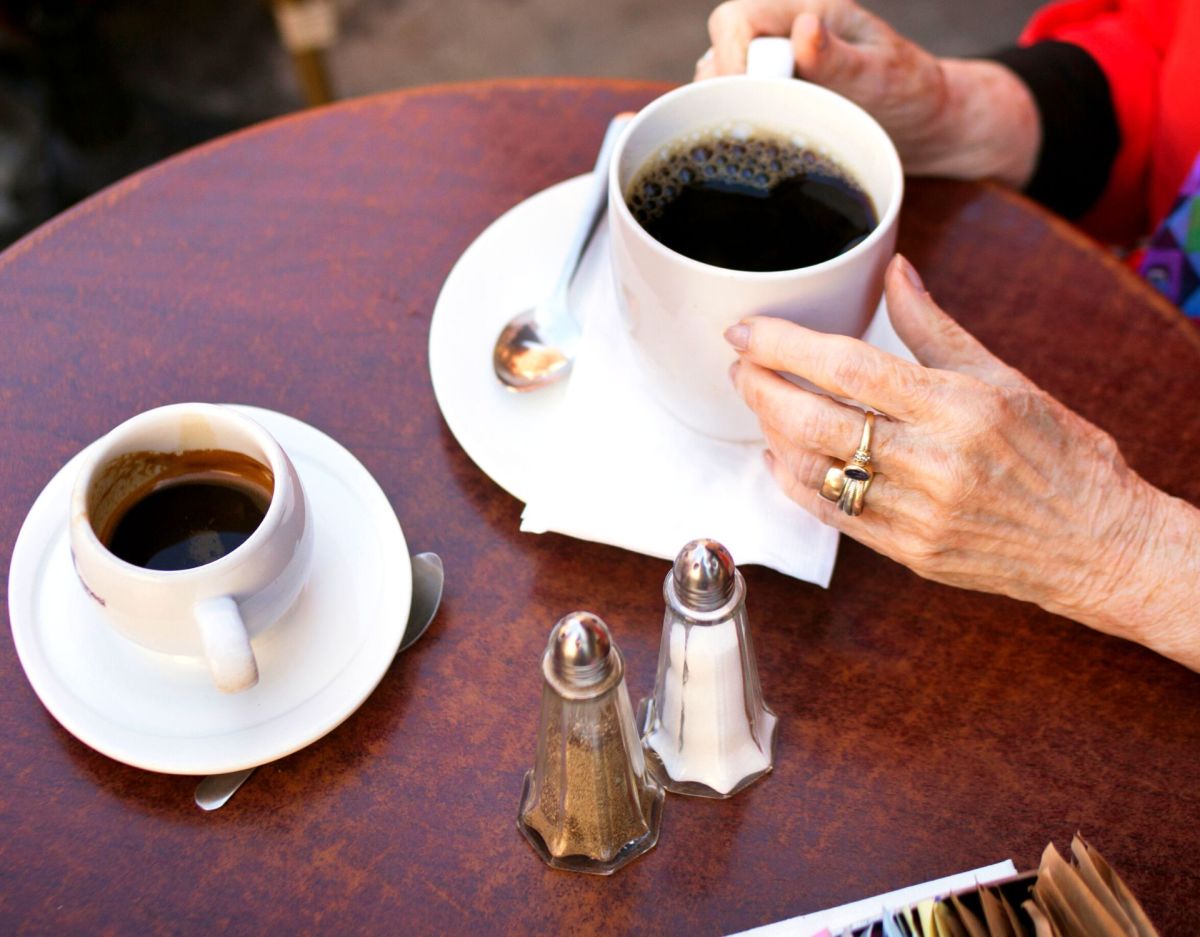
(704, 576)
(581, 659)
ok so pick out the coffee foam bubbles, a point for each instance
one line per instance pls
(730, 154)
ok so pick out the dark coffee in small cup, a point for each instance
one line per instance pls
(180, 510)
(758, 202)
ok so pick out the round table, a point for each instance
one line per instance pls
(924, 729)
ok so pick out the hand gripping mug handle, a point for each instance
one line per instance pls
(226, 644)
(770, 57)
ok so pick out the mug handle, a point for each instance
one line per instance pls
(226, 644)
(770, 57)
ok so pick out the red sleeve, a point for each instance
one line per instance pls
(1127, 39)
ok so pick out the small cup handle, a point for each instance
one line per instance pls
(226, 644)
(770, 57)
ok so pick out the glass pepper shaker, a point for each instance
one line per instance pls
(706, 731)
(588, 804)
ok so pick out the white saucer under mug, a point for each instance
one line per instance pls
(512, 263)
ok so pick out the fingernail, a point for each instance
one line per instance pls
(910, 274)
(822, 35)
(738, 336)
(817, 31)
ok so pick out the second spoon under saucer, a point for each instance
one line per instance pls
(214, 791)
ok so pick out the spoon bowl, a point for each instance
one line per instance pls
(526, 358)
(537, 347)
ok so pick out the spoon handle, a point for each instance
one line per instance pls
(593, 209)
(216, 789)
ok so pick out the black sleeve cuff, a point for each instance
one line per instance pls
(1080, 135)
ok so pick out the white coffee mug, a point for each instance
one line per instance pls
(210, 611)
(676, 309)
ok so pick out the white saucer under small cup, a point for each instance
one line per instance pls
(161, 712)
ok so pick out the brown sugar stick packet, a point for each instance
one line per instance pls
(1063, 894)
(1041, 924)
(1055, 907)
(1013, 918)
(1104, 882)
(971, 924)
(1000, 919)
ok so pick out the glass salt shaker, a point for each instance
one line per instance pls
(588, 804)
(706, 730)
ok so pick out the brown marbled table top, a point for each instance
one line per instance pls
(924, 730)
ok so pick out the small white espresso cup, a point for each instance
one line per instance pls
(676, 309)
(210, 611)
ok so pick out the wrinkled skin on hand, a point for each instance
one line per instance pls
(963, 118)
(839, 45)
(983, 480)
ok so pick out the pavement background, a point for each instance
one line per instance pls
(92, 90)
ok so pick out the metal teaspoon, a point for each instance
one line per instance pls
(537, 347)
(428, 577)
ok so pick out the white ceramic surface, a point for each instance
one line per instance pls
(209, 611)
(506, 269)
(676, 309)
(513, 436)
(161, 712)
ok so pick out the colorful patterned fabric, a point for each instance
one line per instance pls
(1171, 263)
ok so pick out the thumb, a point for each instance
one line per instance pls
(730, 29)
(936, 339)
(706, 66)
(835, 52)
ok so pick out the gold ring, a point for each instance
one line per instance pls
(858, 472)
(853, 496)
(847, 484)
(859, 466)
(835, 481)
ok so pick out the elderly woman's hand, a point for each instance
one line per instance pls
(951, 117)
(982, 480)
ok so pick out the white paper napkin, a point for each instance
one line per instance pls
(627, 473)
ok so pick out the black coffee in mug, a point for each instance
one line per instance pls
(195, 507)
(760, 203)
